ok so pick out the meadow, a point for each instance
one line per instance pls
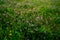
(29, 19)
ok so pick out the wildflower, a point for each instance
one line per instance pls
(36, 29)
(31, 24)
(20, 30)
(29, 10)
(44, 37)
(10, 34)
(10, 31)
(37, 18)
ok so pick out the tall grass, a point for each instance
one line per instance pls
(29, 20)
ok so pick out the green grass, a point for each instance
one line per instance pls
(29, 20)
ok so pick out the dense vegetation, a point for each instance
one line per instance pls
(29, 19)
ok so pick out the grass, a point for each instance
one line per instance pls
(29, 20)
